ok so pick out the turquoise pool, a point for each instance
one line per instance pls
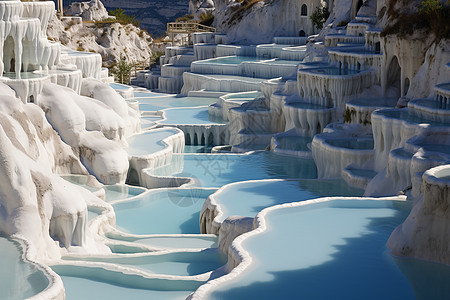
(216, 170)
(119, 192)
(18, 280)
(139, 94)
(229, 60)
(332, 250)
(86, 288)
(331, 71)
(294, 142)
(118, 86)
(172, 263)
(195, 241)
(249, 198)
(149, 121)
(149, 141)
(197, 149)
(159, 103)
(408, 116)
(305, 105)
(191, 116)
(162, 211)
(352, 143)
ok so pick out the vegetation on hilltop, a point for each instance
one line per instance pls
(205, 19)
(430, 17)
(120, 17)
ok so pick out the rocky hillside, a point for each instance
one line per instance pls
(112, 40)
(153, 14)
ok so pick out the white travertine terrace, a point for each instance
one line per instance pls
(425, 232)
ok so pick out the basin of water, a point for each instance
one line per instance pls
(197, 149)
(88, 288)
(159, 103)
(148, 94)
(149, 121)
(331, 71)
(18, 280)
(24, 75)
(340, 245)
(118, 86)
(410, 117)
(243, 95)
(173, 263)
(249, 198)
(228, 60)
(191, 116)
(119, 192)
(149, 141)
(82, 180)
(357, 144)
(216, 170)
(294, 142)
(435, 147)
(305, 105)
(162, 211)
(170, 241)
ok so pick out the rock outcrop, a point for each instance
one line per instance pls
(110, 39)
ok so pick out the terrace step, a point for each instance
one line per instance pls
(356, 177)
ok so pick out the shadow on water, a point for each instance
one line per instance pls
(201, 266)
(362, 268)
(191, 225)
(273, 193)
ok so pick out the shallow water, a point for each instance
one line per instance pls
(340, 246)
(118, 192)
(229, 60)
(193, 116)
(249, 198)
(164, 211)
(149, 142)
(216, 170)
(296, 143)
(158, 103)
(82, 288)
(18, 280)
(406, 115)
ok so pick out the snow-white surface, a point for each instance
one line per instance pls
(425, 232)
(103, 157)
(38, 205)
(280, 18)
(89, 11)
(331, 159)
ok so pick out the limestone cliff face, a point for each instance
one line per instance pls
(419, 55)
(198, 7)
(111, 40)
(248, 23)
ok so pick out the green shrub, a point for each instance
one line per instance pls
(155, 57)
(185, 18)
(342, 24)
(430, 7)
(432, 17)
(206, 18)
(319, 16)
(122, 70)
(122, 17)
